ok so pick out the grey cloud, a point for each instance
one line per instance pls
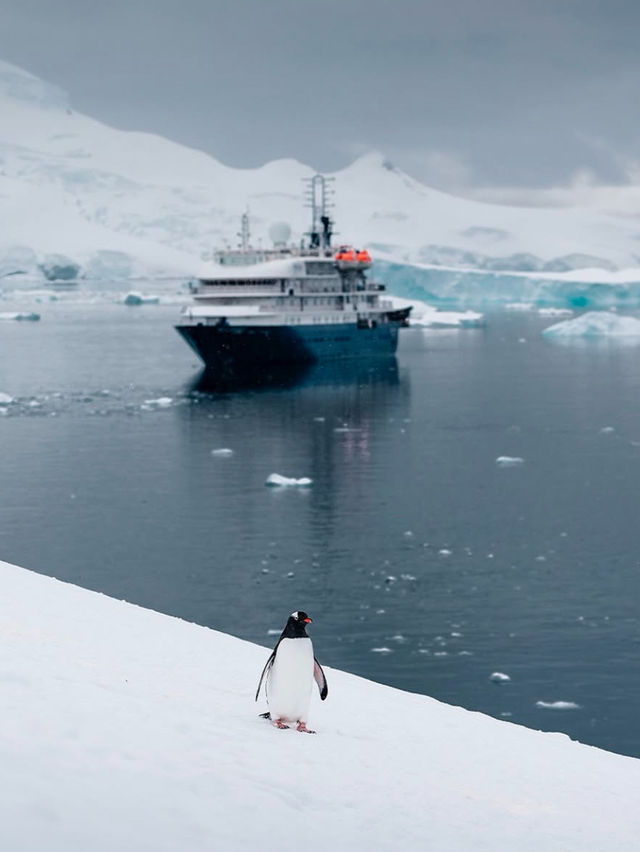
(512, 90)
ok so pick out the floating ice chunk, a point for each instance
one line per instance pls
(444, 551)
(595, 324)
(509, 461)
(607, 430)
(222, 451)
(381, 651)
(519, 306)
(28, 316)
(555, 312)
(136, 298)
(276, 479)
(5, 399)
(499, 677)
(160, 402)
(557, 705)
(426, 316)
(448, 319)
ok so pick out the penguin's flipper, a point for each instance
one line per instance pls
(320, 679)
(268, 665)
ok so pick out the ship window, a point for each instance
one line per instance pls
(319, 267)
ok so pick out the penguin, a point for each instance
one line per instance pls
(290, 672)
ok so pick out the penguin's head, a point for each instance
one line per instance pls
(301, 617)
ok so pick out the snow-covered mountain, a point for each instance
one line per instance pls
(125, 729)
(79, 197)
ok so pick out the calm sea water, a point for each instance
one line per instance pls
(423, 563)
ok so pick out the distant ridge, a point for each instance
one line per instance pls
(73, 186)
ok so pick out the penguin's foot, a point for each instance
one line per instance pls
(280, 724)
(303, 728)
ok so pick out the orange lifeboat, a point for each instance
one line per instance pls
(363, 256)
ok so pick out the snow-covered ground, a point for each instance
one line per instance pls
(80, 198)
(123, 729)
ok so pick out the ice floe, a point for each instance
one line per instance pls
(595, 324)
(499, 677)
(557, 705)
(555, 312)
(136, 298)
(5, 399)
(160, 402)
(20, 316)
(222, 451)
(509, 461)
(277, 480)
(426, 316)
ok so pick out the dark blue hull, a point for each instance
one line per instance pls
(226, 346)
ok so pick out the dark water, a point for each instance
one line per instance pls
(541, 578)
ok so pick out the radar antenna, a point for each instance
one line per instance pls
(318, 195)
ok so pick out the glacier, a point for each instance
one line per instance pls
(82, 202)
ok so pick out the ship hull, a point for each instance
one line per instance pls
(227, 346)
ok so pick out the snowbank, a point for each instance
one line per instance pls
(121, 728)
(595, 324)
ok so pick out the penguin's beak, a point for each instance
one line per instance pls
(308, 620)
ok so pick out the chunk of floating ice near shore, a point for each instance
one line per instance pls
(276, 479)
(21, 316)
(444, 551)
(160, 402)
(499, 677)
(555, 312)
(5, 399)
(519, 306)
(595, 324)
(557, 705)
(381, 651)
(222, 451)
(509, 461)
(136, 298)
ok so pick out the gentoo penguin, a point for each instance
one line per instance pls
(290, 671)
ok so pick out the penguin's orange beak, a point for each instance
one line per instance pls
(308, 620)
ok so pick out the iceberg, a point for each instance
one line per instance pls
(426, 316)
(509, 461)
(595, 324)
(136, 298)
(20, 316)
(277, 480)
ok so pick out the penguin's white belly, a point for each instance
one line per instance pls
(290, 680)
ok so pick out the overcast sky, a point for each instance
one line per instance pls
(459, 93)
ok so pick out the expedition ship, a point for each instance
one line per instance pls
(260, 307)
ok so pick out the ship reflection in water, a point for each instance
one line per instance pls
(350, 371)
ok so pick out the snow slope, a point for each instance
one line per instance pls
(124, 729)
(75, 187)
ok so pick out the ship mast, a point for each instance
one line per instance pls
(244, 233)
(317, 194)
